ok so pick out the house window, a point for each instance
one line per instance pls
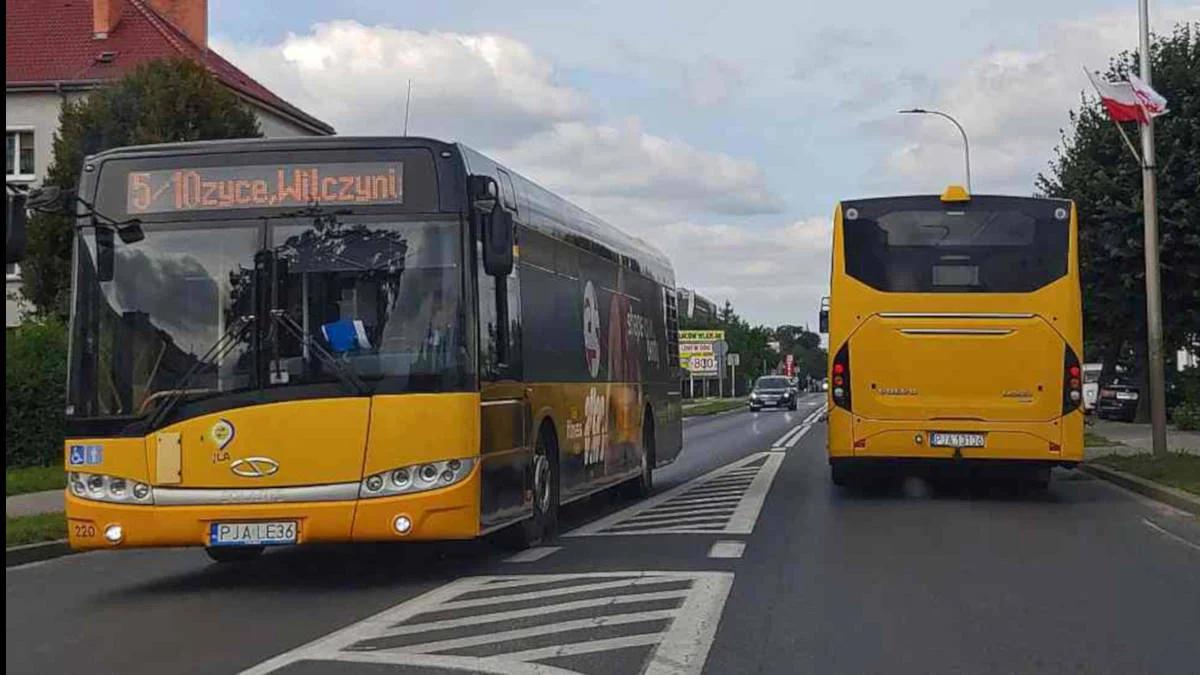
(18, 154)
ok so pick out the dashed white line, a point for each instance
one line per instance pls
(533, 554)
(727, 549)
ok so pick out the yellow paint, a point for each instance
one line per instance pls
(955, 193)
(414, 428)
(960, 381)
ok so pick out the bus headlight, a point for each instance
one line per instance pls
(416, 478)
(99, 487)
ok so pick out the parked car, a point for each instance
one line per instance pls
(1091, 385)
(773, 391)
(1118, 400)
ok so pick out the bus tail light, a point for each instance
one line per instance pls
(1072, 393)
(841, 377)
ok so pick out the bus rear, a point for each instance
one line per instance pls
(955, 333)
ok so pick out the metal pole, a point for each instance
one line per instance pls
(963, 132)
(407, 101)
(1158, 408)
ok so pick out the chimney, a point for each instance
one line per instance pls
(105, 15)
(189, 16)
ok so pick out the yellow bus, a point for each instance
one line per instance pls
(955, 334)
(352, 339)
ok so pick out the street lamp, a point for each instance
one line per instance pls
(966, 144)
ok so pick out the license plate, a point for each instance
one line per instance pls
(956, 440)
(252, 534)
(1127, 396)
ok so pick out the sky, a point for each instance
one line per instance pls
(724, 133)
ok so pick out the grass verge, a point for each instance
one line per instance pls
(1092, 439)
(712, 407)
(1177, 469)
(33, 479)
(33, 529)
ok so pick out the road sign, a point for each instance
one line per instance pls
(701, 335)
(700, 351)
(733, 359)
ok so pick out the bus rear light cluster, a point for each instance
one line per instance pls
(840, 381)
(1072, 381)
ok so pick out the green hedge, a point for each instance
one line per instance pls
(1186, 414)
(35, 366)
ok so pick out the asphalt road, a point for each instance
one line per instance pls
(745, 560)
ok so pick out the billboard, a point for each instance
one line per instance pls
(698, 351)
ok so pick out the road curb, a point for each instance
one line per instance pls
(1180, 499)
(19, 555)
(740, 408)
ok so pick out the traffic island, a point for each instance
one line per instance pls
(712, 406)
(35, 537)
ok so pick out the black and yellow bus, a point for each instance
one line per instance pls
(955, 333)
(352, 339)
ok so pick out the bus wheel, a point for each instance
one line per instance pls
(643, 485)
(233, 554)
(840, 474)
(544, 521)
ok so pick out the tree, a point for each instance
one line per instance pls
(159, 102)
(748, 341)
(805, 348)
(1093, 167)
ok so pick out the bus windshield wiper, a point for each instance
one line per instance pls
(347, 376)
(219, 349)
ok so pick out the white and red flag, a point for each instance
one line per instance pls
(1130, 100)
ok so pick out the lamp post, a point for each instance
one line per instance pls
(966, 143)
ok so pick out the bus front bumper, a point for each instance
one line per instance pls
(446, 513)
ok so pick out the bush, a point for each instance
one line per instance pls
(35, 366)
(1186, 416)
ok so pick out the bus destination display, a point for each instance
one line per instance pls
(259, 186)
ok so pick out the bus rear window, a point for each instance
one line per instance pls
(955, 249)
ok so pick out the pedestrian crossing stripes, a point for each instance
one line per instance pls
(634, 622)
(724, 501)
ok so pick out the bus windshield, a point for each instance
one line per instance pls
(380, 294)
(992, 245)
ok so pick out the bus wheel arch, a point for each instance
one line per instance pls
(543, 522)
(641, 486)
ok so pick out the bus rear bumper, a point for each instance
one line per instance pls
(447, 513)
(1056, 442)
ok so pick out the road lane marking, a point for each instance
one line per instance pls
(727, 549)
(726, 500)
(533, 554)
(798, 436)
(784, 438)
(1169, 534)
(471, 624)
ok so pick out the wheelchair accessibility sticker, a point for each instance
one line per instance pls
(85, 455)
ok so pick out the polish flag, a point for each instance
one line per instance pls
(1130, 101)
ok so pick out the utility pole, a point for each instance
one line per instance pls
(1158, 408)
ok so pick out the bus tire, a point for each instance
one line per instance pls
(544, 522)
(233, 554)
(839, 473)
(643, 485)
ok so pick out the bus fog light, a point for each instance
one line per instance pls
(114, 534)
(403, 524)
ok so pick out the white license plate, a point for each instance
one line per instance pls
(1127, 395)
(956, 440)
(252, 534)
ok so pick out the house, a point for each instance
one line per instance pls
(58, 50)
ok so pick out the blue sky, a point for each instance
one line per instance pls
(723, 132)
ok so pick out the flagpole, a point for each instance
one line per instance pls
(1158, 409)
(1120, 129)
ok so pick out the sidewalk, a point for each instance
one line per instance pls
(1136, 438)
(33, 503)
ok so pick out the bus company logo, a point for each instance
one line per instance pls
(255, 467)
(1016, 393)
(591, 330)
(222, 433)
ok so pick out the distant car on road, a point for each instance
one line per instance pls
(1118, 400)
(1091, 385)
(773, 391)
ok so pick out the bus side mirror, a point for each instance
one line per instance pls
(484, 193)
(14, 228)
(498, 241)
(823, 320)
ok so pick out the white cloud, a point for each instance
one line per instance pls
(1012, 103)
